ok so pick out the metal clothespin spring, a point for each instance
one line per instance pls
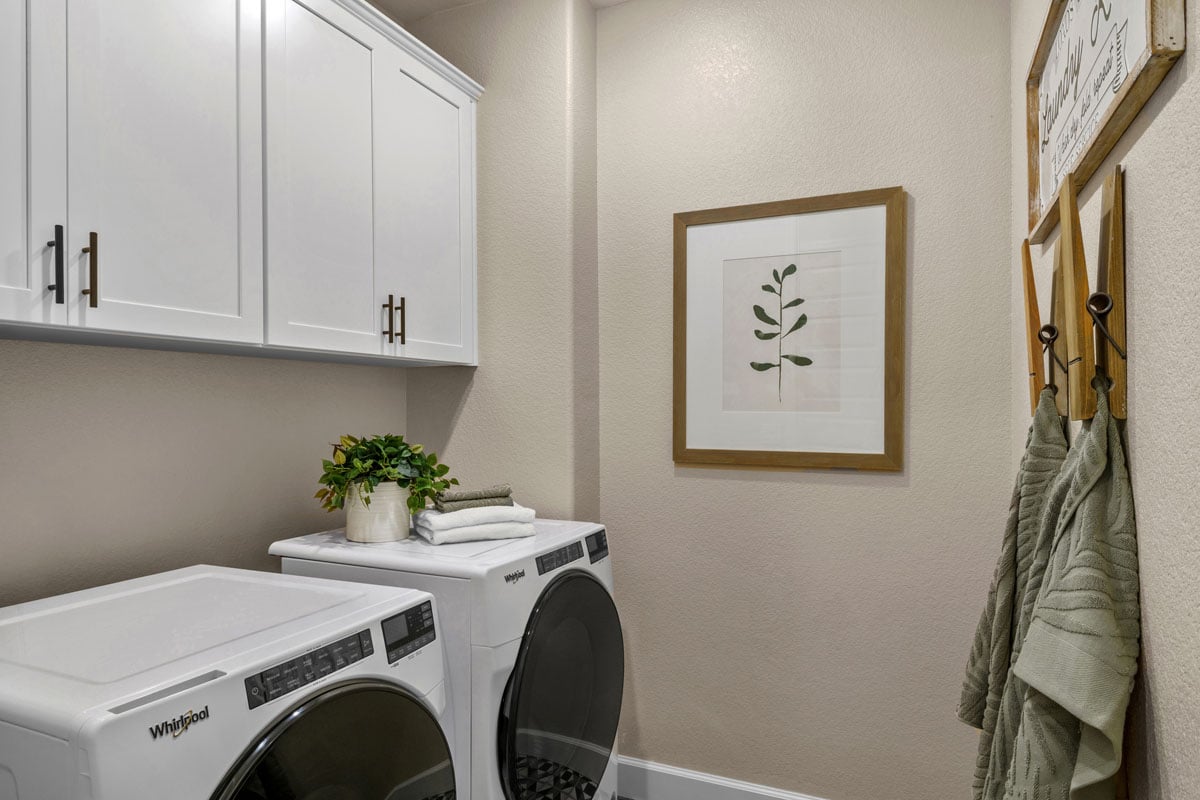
(1098, 306)
(1047, 335)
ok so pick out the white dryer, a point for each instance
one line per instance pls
(218, 684)
(532, 638)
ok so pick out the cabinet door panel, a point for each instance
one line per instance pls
(320, 214)
(165, 165)
(14, 152)
(32, 147)
(425, 169)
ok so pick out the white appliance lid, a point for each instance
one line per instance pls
(463, 560)
(112, 637)
(66, 658)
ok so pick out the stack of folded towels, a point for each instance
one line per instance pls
(474, 515)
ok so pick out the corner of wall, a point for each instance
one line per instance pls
(528, 414)
(581, 121)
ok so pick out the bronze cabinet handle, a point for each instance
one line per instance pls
(93, 290)
(390, 330)
(403, 321)
(59, 287)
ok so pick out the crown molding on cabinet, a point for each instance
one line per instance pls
(419, 50)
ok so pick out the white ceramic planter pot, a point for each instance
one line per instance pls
(384, 520)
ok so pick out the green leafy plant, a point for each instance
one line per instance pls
(365, 463)
(778, 335)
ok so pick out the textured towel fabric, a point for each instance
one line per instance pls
(500, 490)
(437, 521)
(483, 502)
(1080, 654)
(499, 495)
(991, 697)
(475, 533)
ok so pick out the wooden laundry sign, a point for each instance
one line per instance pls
(1096, 64)
(1088, 62)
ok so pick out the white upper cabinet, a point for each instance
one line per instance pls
(240, 175)
(424, 205)
(164, 167)
(320, 181)
(32, 170)
(370, 192)
(16, 274)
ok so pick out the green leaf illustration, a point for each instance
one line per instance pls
(800, 322)
(762, 315)
(778, 335)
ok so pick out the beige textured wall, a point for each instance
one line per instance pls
(116, 463)
(1161, 154)
(527, 414)
(807, 630)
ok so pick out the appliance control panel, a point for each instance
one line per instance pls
(288, 676)
(408, 631)
(597, 545)
(559, 558)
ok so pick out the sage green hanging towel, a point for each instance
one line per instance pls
(1080, 654)
(989, 700)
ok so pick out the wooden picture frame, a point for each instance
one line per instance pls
(843, 403)
(1100, 60)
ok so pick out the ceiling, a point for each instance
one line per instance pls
(404, 11)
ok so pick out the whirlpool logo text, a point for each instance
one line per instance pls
(180, 724)
(513, 577)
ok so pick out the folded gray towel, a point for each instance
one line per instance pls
(483, 502)
(501, 490)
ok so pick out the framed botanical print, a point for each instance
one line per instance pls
(789, 333)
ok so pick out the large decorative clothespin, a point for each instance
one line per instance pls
(1107, 304)
(1081, 349)
(1102, 312)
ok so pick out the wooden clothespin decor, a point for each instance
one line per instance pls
(1108, 304)
(1081, 349)
(1033, 328)
(1052, 336)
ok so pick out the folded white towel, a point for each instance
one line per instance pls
(436, 520)
(475, 533)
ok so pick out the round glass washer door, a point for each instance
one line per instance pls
(559, 714)
(363, 740)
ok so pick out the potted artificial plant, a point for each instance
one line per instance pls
(367, 478)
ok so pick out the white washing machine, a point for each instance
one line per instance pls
(532, 638)
(219, 684)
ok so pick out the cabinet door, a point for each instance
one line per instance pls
(164, 165)
(320, 182)
(425, 181)
(33, 145)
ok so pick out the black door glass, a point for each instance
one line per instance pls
(365, 740)
(558, 718)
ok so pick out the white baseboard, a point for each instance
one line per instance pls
(645, 780)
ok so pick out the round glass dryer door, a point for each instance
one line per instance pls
(366, 740)
(558, 718)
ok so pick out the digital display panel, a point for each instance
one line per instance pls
(597, 545)
(408, 632)
(395, 629)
